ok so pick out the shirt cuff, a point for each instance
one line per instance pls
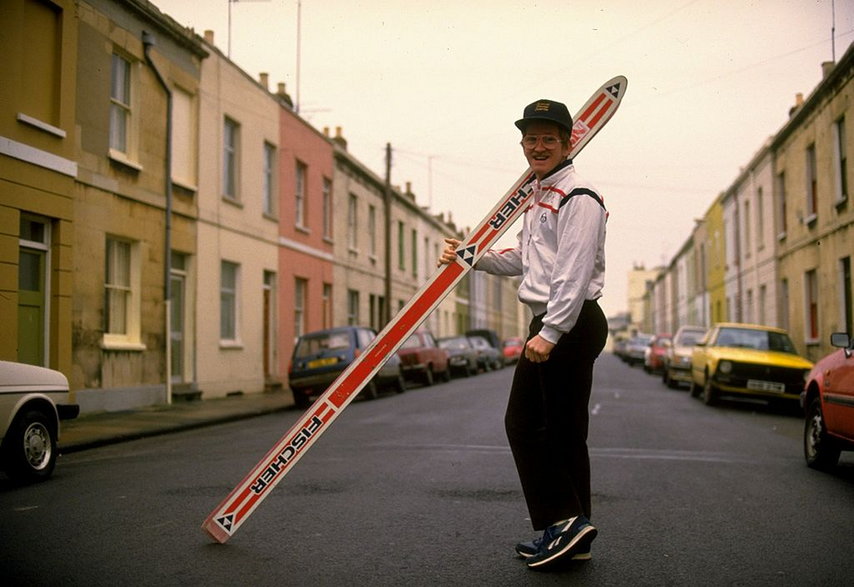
(550, 334)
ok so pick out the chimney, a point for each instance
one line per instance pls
(339, 138)
(799, 101)
(209, 37)
(284, 97)
(326, 131)
(264, 79)
(826, 68)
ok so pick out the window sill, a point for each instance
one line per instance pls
(119, 345)
(43, 126)
(839, 203)
(230, 345)
(233, 201)
(185, 185)
(810, 220)
(271, 217)
(302, 229)
(122, 159)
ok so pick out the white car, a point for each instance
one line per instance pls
(32, 402)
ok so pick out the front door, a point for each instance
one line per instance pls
(33, 264)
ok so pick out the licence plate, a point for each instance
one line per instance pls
(322, 362)
(758, 385)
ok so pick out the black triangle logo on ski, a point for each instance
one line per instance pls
(614, 90)
(467, 254)
(226, 521)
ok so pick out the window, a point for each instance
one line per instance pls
(414, 250)
(781, 205)
(269, 180)
(327, 209)
(352, 222)
(228, 292)
(812, 185)
(120, 105)
(784, 304)
(230, 162)
(747, 242)
(372, 230)
(327, 305)
(299, 196)
(847, 310)
(122, 299)
(300, 296)
(41, 55)
(352, 307)
(401, 246)
(840, 161)
(760, 219)
(763, 302)
(183, 139)
(811, 306)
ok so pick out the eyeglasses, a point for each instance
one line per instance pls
(549, 141)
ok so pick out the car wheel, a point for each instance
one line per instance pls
(820, 451)
(427, 379)
(446, 374)
(30, 447)
(710, 392)
(400, 384)
(370, 390)
(301, 400)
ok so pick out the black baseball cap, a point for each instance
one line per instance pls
(547, 110)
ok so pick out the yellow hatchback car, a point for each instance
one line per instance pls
(747, 360)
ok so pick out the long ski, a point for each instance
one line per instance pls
(234, 510)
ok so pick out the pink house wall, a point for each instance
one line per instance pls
(303, 252)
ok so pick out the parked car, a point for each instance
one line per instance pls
(653, 358)
(421, 359)
(33, 400)
(677, 359)
(512, 349)
(636, 347)
(828, 402)
(489, 336)
(747, 360)
(488, 357)
(462, 356)
(320, 356)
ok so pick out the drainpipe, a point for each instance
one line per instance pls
(148, 41)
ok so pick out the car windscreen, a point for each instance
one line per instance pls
(690, 338)
(454, 343)
(413, 342)
(312, 345)
(760, 340)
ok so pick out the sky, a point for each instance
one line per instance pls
(442, 81)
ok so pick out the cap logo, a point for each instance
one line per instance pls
(542, 107)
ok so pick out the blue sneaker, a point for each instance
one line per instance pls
(529, 549)
(562, 541)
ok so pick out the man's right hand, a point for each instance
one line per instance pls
(449, 255)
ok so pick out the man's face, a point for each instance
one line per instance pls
(543, 157)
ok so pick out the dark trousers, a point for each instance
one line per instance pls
(547, 420)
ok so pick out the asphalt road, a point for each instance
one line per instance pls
(420, 489)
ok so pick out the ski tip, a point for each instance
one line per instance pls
(215, 532)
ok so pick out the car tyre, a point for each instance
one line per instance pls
(30, 447)
(710, 392)
(446, 374)
(400, 384)
(820, 452)
(427, 378)
(370, 390)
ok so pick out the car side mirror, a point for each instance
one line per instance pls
(840, 339)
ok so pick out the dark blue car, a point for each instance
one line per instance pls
(320, 357)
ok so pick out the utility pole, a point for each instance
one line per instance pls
(387, 200)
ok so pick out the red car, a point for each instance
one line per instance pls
(828, 402)
(653, 358)
(511, 349)
(422, 359)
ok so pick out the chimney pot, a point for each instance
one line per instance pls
(265, 79)
(209, 37)
(826, 68)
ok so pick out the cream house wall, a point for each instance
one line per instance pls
(235, 230)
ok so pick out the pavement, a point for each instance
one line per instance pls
(102, 428)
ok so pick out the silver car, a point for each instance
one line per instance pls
(32, 402)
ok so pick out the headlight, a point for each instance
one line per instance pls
(725, 367)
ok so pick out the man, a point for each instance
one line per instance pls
(561, 258)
